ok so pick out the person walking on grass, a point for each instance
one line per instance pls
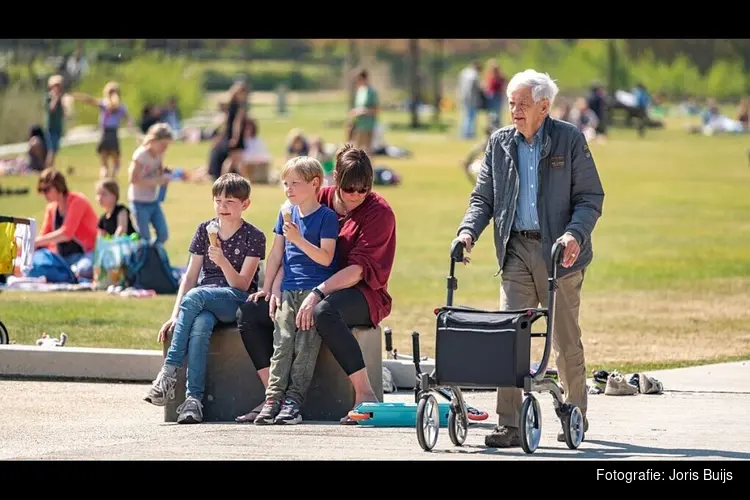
(147, 178)
(112, 112)
(55, 117)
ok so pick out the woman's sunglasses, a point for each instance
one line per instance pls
(352, 190)
(44, 189)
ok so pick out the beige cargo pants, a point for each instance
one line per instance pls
(524, 285)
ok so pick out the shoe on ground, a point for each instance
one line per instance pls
(649, 385)
(190, 412)
(601, 376)
(249, 418)
(503, 437)
(268, 413)
(617, 385)
(162, 388)
(561, 434)
(290, 413)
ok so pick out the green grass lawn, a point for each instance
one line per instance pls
(669, 284)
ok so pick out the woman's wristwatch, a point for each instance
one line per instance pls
(317, 291)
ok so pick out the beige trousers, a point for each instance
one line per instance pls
(524, 285)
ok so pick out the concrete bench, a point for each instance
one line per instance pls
(233, 387)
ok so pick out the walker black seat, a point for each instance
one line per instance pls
(475, 348)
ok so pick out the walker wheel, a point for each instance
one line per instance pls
(573, 427)
(458, 426)
(355, 415)
(428, 421)
(531, 424)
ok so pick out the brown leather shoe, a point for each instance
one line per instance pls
(503, 437)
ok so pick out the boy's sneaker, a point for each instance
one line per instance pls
(268, 413)
(290, 413)
(190, 412)
(162, 389)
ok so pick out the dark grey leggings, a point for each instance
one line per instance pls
(334, 318)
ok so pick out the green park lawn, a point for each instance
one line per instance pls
(669, 285)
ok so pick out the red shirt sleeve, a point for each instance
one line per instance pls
(376, 246)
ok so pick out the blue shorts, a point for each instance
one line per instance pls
(53, 141)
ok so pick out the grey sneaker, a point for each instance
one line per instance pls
(290, 413)
(190, 412)
(617, 385)
(649, 385)
(268, 413)
(162, 389)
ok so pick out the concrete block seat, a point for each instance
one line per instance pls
(233, 387)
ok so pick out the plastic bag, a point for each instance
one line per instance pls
(110, 260)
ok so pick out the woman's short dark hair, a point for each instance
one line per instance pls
(232, 185)
(54, 178)
(353, 169)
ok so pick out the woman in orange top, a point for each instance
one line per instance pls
(70, 223)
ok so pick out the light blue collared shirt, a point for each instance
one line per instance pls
(527, 216)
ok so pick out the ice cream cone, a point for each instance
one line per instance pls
(286, 211)
(213, 233)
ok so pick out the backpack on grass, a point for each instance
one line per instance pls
(148, 268)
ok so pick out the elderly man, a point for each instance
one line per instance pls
(539, 184)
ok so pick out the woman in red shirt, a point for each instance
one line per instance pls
(70, 223)
(357, 295)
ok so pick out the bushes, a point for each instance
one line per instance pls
(19, 110)
(296, 77)
(149, 79)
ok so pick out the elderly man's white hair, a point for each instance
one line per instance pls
(541, 84)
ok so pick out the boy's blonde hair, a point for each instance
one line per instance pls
(158, 132)
(112, 95)
(306, 167)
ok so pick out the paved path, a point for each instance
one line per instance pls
(701, 415)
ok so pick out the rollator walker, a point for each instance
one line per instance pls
(489, 349)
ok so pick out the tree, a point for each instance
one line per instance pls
(437, 78)
(414, 81)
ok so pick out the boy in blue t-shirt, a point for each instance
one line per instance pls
(303, 256)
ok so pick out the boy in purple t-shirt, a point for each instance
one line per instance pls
(303, 255)
(222, 272)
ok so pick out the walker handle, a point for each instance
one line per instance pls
(388, 339)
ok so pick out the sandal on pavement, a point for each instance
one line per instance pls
(347, 420)
(249, 418)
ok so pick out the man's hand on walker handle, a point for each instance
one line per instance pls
(570, 249)
(468, 242)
